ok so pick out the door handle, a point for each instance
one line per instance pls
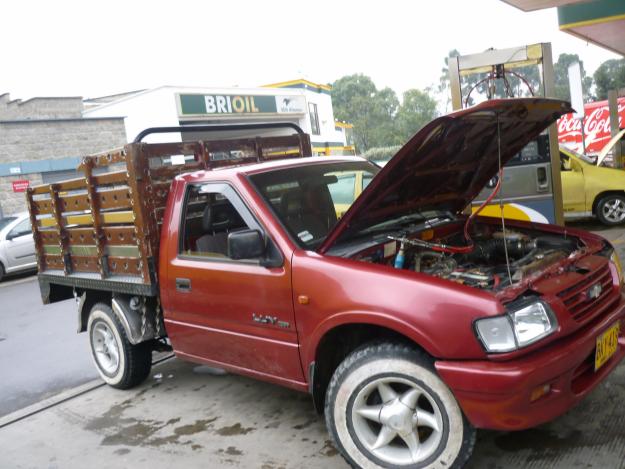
(542, 180)
(183, 284)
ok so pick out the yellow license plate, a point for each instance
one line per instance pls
(607, 344)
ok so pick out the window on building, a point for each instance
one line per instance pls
(314, 118)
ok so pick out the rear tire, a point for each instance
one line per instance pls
(387, 408)
(1, 272)
(611, 209)
(121, 364)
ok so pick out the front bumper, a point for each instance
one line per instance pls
(496, 395)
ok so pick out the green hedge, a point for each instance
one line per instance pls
(381, 153)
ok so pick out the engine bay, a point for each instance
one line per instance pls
(498, 259)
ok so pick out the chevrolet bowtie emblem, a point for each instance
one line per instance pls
(594, 291)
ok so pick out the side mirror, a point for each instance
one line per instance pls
(246, 244)
(566, 164)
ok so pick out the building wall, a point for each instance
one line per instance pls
(152, 108)
(47, 135)
(50, 139)
(15, 202)
(40, 108)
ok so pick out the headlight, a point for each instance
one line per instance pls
(616, 261)
(523, 325)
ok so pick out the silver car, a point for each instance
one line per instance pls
(17, 248)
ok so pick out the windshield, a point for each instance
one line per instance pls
(309, 200)
(5, 221)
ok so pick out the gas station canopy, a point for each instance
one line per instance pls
(601, 22)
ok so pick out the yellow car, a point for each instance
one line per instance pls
(588, 189)
(348, 186)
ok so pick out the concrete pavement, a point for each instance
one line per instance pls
(184, 416)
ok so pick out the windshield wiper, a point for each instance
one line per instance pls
(392, 224)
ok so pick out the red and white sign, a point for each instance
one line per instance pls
(21, 185)
(596, 127)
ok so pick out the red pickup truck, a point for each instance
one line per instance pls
(410, 324)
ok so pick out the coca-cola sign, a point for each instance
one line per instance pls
(596, 127)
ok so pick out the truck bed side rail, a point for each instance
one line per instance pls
(105, 227)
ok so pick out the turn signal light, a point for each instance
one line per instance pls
(539, 392)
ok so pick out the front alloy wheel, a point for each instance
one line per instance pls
(397, 420)
(611, 209)
(387, 408)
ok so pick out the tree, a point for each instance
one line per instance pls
(417, 109)
(610, 75)
(378, 118)
(356, 99)
(561, 77)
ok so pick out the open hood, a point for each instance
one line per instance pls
(446, 164)
(608, 148)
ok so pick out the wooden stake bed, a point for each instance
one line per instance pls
(102, 231)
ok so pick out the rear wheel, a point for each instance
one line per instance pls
(611, 209)
(387, 408)
(120, 363)
(1, 272)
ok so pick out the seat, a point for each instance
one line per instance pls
(215, 239)
(300, 218)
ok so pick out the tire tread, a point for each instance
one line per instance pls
(389, 349)
(138, 357)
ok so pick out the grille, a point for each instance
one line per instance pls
(576, 297)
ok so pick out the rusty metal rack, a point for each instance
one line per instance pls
(102, 231)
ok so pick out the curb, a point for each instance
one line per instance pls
(60, 398)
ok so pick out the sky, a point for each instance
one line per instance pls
(90, 49)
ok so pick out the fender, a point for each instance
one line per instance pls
(134, 314)
(139, 325)
(387, 321)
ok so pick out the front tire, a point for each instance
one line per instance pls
(121, 364)
(611, 209)
(387, 408)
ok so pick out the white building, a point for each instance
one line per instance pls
(302, 102)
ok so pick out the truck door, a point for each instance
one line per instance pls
(228, 312)
(20, 247)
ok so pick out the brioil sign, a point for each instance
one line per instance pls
(220, 104)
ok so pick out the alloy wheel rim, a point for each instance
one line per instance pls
(105, 347)
(614, 210)
(397, 421)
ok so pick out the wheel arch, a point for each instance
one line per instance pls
(337, 342)
(87, 300)
(137, 314)
(603, 194)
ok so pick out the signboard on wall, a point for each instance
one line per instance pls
(596, 127)
(193, 105)
(20, 185)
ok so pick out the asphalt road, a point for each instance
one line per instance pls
(40, 352)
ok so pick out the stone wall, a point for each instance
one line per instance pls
(47, 129)
(36, 140)
(40, 108)
(14, 202)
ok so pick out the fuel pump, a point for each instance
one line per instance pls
(531, 189)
